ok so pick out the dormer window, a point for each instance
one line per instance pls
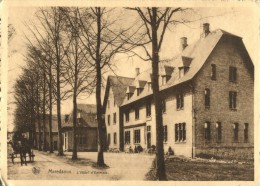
(165, 79)
(129, 95)
(139, 91)
(182, 71)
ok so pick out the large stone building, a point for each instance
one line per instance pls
(207, 96)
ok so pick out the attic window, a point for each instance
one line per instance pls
(165, 79)
(129, 95)
(139, 91)
(183, 70)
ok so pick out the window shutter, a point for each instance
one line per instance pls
(176, 132)
(184, 131)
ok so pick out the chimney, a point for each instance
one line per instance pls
(183, 43)
(205, 29)
(137, 71)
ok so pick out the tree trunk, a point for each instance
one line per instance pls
(100, 158)
(38, 116)
(44, 113)
(160, 165)
(50, 112)
(74, 154)
(60, 148)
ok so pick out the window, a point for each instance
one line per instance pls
(139, 91)
(108, 119)
(218, 132)
(207, 131)
(180, 132)
(129, 95)
(168, 78)
(235, 132)
(115, 138)
(213, 72)
(148, 128)
(81, 139)
(137, 113)
(180, 101)
(232, 100)
(207, 98)
(114, 118)
(148, 108)
(114, 102)
(137, 136)
(149, 86)
(127, 116)
(165, 132)
(232, 74)
(246, 133)
(127, 137)
(163, 106)
(108, 139)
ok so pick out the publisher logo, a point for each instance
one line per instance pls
(36, 170)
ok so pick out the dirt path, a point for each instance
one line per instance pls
(50, 166)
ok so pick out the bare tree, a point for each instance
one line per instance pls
(51, 25)
(103, 40)
(156, 21)
(79, 72)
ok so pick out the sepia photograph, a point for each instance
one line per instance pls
(131, 93)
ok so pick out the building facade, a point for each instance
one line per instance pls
(207, 94)
(86, 129)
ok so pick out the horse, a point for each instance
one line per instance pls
(24, 148)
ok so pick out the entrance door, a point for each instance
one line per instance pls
(148, 140)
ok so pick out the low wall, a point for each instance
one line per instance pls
(243, 153)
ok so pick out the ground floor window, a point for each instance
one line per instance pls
(137, 138)
(127, 137)
(115, 138)
(165, 132)
(219, 132)
(180, 132)
(207, 131)
(82, 139)
(246, 133)
(235, 132)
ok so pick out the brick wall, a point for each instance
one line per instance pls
(224, 55)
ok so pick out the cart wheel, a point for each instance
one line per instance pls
(12, 157)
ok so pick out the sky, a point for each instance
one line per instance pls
(239, 21)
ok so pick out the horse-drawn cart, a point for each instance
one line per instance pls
(21, 148)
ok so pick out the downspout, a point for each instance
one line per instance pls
(193, 122)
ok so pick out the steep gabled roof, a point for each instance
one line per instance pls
(193, 56)
(118, 85)
(87, 108)
(87, 113)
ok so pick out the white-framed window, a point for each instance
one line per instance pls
(137, 137)
(180, 132)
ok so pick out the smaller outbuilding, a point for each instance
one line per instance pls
(86, 129)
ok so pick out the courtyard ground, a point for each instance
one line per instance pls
(124, 166)
(179, 169)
